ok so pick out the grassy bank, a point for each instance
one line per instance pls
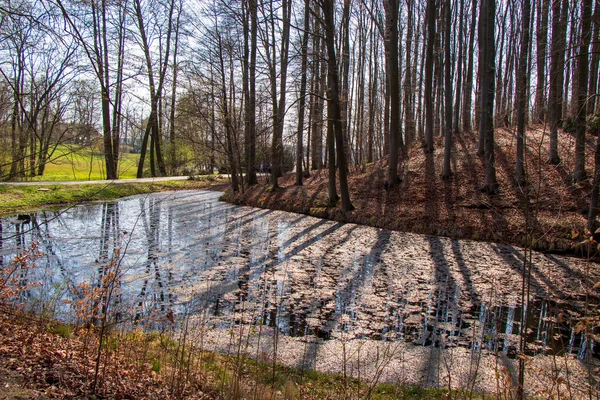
(59, 361)
(15, 199)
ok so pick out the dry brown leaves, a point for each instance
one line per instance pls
(424, 203)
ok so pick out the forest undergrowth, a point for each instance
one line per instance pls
(425, 203)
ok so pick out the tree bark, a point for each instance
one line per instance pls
(334, 102)
(487, 79)
(581, 84)
(430, 22)
(302, 101)
(459, 73)
(594, 78)
(522, 92)
(392, 71)
(277, 143)
(447, 172)
(468, 92)
(542, 43)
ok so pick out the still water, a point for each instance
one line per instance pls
(187, 253)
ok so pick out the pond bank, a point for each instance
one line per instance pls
(30, 196)
(422, 202)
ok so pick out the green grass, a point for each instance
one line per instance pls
(71, 163)
(28, 198)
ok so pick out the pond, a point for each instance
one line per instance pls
(186, 253)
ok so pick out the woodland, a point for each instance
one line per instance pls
(467, 119)
(196, 87)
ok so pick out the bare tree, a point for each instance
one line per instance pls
(447, 173)
(250, 89)
(430, 22)
(93, 37)
(302, 100)
(542, 42)
(391, 8)
(327, 7)
(582, 84)
(468, 91)
(153, 128)
(522, 92)
(487, 52)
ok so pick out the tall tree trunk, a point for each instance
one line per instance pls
(468, 92)
(409, 123)
(447, 172)
(327, 7)
(344, 68)
(317, 104)
(373, 74)
(227, 123)
(172, 149)
(110, 158)
(557, 54)
(118, 103)
(594, 78)
(542, 43)
(299, 148)
(522, 92)
(460, 62)
(486, 79)
(277, 144)
(155, 91)
(430, 22)
(330, 145)
(581, 84)
(250, 90)
(391, 8)
(562, 36)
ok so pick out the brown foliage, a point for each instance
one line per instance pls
(424, 203)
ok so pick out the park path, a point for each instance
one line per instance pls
(99, 182)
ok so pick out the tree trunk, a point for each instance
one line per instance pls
(373, 74)
(173, 152)
(594, 78)
(317, 104)
(459, 73)
(277, 144)
(409, 123)
(542, 43)
(330, 145)
(430, 22)
(522, 92)
(468, 92)
(581, 84)
(302, 101)
(392, 71)
(334, 102)
(487, 78)
(250, 94)
(557, 53)
(447, 173)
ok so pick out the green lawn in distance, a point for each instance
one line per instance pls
(70, 163)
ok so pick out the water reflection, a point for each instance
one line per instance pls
(186, 252)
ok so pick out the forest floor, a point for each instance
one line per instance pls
(45, 359)
(424, 203)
